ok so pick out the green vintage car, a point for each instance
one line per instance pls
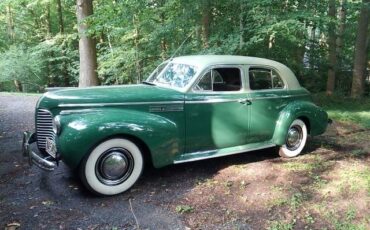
(190, 108)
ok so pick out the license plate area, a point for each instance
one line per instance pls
(51, 147)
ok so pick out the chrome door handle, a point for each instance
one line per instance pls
(244, 101)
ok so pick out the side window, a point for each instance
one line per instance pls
(220, 79)
(261, 78)
(277, 82)
(206, 82)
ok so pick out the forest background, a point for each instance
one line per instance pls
(325, 43)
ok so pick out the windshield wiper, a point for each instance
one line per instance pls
(147, 83)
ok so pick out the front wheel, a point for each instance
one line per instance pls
(295, 140)
(112, 167)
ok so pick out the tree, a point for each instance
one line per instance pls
(87, 48)
(359, 66)
(206, 22)
(330, 86)
(60, 16)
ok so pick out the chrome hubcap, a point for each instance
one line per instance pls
(114, 166)
(294, 137)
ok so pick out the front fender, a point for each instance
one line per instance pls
(81, 132)
(306, 110)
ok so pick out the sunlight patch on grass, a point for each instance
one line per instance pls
(348, 221)
(361, 117)
(346, 109)
(348, 180)
(315, 162)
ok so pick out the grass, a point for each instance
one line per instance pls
(346, 109)
(312, 162)
(281, 225)
(348, 221)
(182, 209)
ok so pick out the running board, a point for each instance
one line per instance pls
(202, 155)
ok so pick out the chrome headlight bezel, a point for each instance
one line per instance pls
(56, 124)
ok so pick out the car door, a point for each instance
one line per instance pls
(216, 110)
(268, 96)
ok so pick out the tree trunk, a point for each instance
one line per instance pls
(359, 67)
(163, 40)
(137, 49)
(10, 22)
(61, 31)
(60, 16)
(18, 86)
(87, 48)
(11, 36)
(48, 21)
(341, 29)
(206, 22)
(241, 26)
(330, 85)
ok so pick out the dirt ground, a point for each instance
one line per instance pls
(328, 187)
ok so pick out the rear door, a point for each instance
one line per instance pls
(268, 96)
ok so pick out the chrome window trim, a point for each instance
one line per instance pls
(204, 71)
(120, 104)
(286, 87)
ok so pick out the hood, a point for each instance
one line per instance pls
(108, 94)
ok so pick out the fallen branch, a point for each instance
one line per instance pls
(132, 210)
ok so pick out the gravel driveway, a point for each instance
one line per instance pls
(35, 199)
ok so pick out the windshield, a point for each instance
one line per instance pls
(172, 75)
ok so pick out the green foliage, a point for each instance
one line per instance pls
(346, 109)
(20, 63)
(279, 225)
(135, 36)
(347, 223)
(184, 209)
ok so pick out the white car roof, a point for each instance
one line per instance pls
(203, 61)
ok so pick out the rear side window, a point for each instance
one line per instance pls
(263, 78)
(220, 79)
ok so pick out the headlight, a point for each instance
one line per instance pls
(56, 124)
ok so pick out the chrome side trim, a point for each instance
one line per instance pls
(220, 155)
(120, 104)
(278, 97)
(67, 112)
(212, 101)
(166, 108)
(218, 100)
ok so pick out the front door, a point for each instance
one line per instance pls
(217, 111)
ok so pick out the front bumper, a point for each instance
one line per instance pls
(45, 163)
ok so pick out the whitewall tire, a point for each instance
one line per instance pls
(295, 140)
(112, 167)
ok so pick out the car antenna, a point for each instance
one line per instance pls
(173, 55)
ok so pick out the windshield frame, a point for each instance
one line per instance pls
(166, 64)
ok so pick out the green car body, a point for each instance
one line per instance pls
(181, 124)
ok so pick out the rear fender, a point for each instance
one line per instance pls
(307, 111)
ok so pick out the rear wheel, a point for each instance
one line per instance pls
(112, 167)
(295, 140)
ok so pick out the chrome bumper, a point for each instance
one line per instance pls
(33, 158)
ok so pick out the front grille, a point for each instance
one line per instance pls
(44, 127)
